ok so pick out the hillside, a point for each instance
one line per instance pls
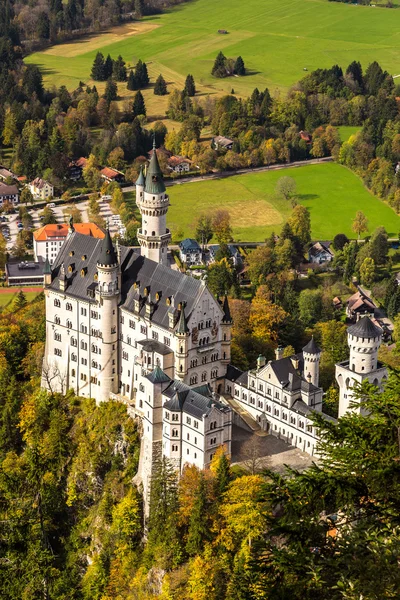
(277, 39)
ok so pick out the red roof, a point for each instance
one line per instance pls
(81, 162)
(110, 173)
(60, 230)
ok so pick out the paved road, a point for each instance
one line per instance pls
(225, 174)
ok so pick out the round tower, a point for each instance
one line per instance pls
(182, 351)
(364, 339)
(109, 295)
(226, 329)
(311, 357)
(153, 203)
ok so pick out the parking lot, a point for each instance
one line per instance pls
(10, 228)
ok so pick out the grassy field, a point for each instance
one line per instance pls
(345, 131)
(331, 192)
(9, 296)
(278, 39)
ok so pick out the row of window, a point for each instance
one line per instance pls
(203, 324)
(68, 306)
(175, 417)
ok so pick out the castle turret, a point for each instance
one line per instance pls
(46, 273)
(153, 203)
(108, 294)
(226, 330)
(364, 339)
(311, 356)
(182, 352)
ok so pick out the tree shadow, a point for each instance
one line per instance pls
(302, 197)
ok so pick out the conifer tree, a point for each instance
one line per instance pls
(119, 69)
(219, 68)
(20, 300)
(98, 72)
(139, 107)
(111, 91)
(223, 475)
(132, 83)
(239, 68)
(190, 87)
(142, 76)
(160, 87)
(139, 9)
(198, 525)
(108, 67)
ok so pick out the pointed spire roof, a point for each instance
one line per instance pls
(140, 179)
(365, 328)
(46, 268)
(107, 256)
(311, 347)
(157, 375)
(227, 313)
(154, 177)
(182, 328)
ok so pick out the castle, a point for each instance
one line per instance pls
(122, 324)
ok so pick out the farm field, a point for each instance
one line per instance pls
(345, 131)
(332, 193)
(278, 39)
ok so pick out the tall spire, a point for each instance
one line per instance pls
(182, 328)
(227, 313)
(140, 179)
(107, 256)
(154, 176)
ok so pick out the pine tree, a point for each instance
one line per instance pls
(160, 87)
(239, 68)
(219, 68)
(139, 107)
(111, 91)
(98, 68)
(223, 475)
(198, 526)
(119, 69)
(132, 83)
(20, 300)
(108, 67)
(190, 87)
(139, 9)
(142, 76)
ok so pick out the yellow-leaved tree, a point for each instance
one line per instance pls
(265, 316)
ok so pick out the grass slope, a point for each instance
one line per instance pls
(277, 39)
(331, 192)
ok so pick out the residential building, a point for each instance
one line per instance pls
(179, 164)
(236, 257)
(221, 142)
(112, 175)
(41, 189)
(6, 173)
(319, 253)
(359, 304)
(48, 240)
(190, 252)
(9, 193)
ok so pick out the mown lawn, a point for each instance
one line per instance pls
(8, 297)
(345, 131)
(278, 40)
(331, 192)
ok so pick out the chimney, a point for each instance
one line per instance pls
(260, 362)
(279, 352)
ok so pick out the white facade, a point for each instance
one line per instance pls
(47, 248)
(364, 339)
(41, 189)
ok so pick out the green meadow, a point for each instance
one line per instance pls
(278, 39)
(332, 193)
(7, 298)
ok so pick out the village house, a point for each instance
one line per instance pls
(8, 193)
(190, 252)
(236, 257)
(111, 175)
(6, 173)
(305, 136)
(359, 304)
(179, 164)
(319, 253)
(41, 189)
(48, 240)
(220, 142)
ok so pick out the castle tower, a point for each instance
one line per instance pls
(108, 295)
(46, 273)
(226, 328)
(364, 339)
(153, 203)
(182, 353)
(311, 356)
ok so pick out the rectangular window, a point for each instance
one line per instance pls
(188, 420)
(196, 424)
(167, 341)
(143, 329)
(154, 335)
(132, 324)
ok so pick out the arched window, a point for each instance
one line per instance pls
(57, 302)
(69, 324)
(57, 320)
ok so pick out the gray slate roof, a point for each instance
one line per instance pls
(365, 328)
(158, 376)
(311, 347)
(188, 400)
(189, 245)
(135, 268)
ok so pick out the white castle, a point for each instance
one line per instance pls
(121, 324)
